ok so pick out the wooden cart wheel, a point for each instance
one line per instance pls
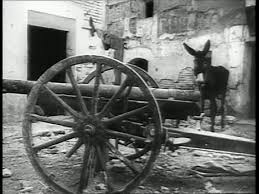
(150, 82)
(86, 139)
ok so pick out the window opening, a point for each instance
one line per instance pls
(149, 9)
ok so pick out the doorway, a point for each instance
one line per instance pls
(142, 63)
(46, 47)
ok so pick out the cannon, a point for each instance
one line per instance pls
(106, 124)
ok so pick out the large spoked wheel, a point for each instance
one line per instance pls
(85, 155)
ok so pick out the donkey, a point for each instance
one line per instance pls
(212, 81)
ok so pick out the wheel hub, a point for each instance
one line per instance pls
(89, 129)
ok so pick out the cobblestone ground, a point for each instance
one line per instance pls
(172, 172)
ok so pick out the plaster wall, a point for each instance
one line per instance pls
(15, 21)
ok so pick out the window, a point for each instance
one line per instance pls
(149, 9)
(250, 13)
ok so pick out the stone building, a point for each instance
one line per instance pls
(153, 32)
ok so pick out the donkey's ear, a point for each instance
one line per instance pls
(206, 47)
(189, 49)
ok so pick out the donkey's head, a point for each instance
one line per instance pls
(201, 62)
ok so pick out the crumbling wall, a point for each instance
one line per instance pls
(160, 37)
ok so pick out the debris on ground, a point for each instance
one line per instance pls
(141, 187)
(43, 134)
(26, 189)
(164, 189)
(7, 173)
(210, 188)
(100, 186)
(24, 184)
(213, 168)
(59, 132)
(170, 173)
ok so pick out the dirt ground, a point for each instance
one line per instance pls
(172, 172)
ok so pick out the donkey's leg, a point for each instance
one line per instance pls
(222, 111)
(213, 112)
(202, 101)
(202, 104)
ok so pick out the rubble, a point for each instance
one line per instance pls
(164, 189)
(210, 188)
(100, 186)
(24, 184)
(43, 134)
(53, 151)
(7, 173)
(117, 166)
(174, 154)
(159, 167)
(59, 132)
(26, 189)
(141, 187)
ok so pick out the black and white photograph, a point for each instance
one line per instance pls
(128, 97)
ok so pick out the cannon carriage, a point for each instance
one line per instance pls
(105, 124)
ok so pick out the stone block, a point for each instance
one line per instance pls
(236, 33)
(13, 107)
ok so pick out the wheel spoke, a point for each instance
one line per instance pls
(53, 121)
(96, 88)
(88, 167)
(108, 105)
(62, 103)
(55, 141)
(74, 148)
(122, 158)
(126, 115)
(128, 90)
(102, 156)
(78, 93)
(92, 75)
(102, 79)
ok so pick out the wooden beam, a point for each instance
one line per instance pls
(216, 141)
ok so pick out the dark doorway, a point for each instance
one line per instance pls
(149, 8)
(45, 48)
(142, 63)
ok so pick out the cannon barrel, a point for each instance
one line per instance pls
(24, 87)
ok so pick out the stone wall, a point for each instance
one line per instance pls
(159, 39)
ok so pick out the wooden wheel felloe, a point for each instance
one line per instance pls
(144, 75)
(87, 133)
